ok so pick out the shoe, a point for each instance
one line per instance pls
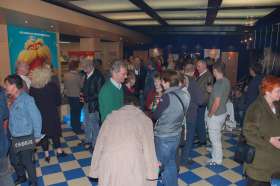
(32, 184)
(47, 159)
(61, 155)
(202, 144)
(212, 163)
(20, 180)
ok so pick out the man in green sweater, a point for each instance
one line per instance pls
(111, 94)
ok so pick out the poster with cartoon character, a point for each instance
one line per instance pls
(32, 46)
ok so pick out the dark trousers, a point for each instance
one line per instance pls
(75, 113)
(200, 124)
(189, 143)
(45, 142)
(22, 161)
(252, 182)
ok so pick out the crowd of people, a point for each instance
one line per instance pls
(142, 116)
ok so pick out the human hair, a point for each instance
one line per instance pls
(171, 76)
(269, 83)
(220, 67)
(202, 61)
(14, 79)
(130, 76)
(131, 100)
(156, 76)
(73, 64)
(117, 65)
(256, 67)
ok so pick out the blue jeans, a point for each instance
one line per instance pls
(92, 127)
(5, 175)
(200, 124)
(166, 148)
(189, 143)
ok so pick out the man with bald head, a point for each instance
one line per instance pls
(204, 79)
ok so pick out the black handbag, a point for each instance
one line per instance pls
(244, 153)
(23, 143)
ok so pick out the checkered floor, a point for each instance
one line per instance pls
(73, 169)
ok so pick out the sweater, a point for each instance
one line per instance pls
(110, 98)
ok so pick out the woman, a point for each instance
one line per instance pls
(24, 121)
(261, 126)
(169, 115)
(72, 89)
(129, 86)
(47, 98)
(124, 154)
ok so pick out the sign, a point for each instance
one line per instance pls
(32, 46)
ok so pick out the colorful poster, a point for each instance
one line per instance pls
(32, 46)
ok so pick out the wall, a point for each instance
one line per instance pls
(4, 56)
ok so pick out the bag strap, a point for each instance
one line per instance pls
(180, 101)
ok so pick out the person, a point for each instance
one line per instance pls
(92, 85)
(5, 175)
(129, 86)
(22, 69)
(217, 112)
(124, 154)
(255, 70)
(47, 98)
(238, 101)
(262, 130)
(204, 79)
(72, 87)
(191, 115)
(24, 120)
(111, 96)
(169, 117)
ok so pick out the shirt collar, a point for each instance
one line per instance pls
(88, 75)
(116, 84)
(203, 72)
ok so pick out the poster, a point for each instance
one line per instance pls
(32, 46)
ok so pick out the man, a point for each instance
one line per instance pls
(93, 82)
(191, 116)
(111, 96)
(24, 121)
(204, 79)
(217, 112)
(170, 117)
(22, 69)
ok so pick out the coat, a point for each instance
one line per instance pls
(259, 125)
(48, 99)
(203, 81)
(124, 153)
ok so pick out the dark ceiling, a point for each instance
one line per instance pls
(179, 17)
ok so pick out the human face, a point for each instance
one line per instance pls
(274, 94)
(165, 85)
(157, 83)
(201, 67)
(11, 89)
(120, 76)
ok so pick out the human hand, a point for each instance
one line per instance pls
(275, 141)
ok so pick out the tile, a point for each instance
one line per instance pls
(232, 176)
(228, 163)
(202, 150)
(69, 165)
(238, 170)
(38, 172)
(216, 168)
(69, 157)
(181, 182)
(201, 183)
(203, 172)
(50, 169)
(74, 173)
(54, 178)
(241, 183)
(218, 180)
(82, 155)
(60, 184)
(71, 138)
(201, 160)
(73, 143)
(86, 170)
(77, 149)
(80, 181)
(227, 153)
(85, 162)
(189, 177)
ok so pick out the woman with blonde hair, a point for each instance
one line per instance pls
(261, 128)
(48, 99)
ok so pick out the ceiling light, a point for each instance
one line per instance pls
(52, 26)
(25, 21)
(64, 42)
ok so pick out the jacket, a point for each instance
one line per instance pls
(259, 125)
(170, 113)
(24, 117)
(253, 90)
(202, 83)
(91, 88)
(4, 113)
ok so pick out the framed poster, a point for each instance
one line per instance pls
(32, 46)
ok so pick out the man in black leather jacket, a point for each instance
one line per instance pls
(92, 84)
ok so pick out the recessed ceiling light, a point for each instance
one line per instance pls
(25, 21)
(52, 26)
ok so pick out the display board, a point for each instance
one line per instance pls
(32, 46)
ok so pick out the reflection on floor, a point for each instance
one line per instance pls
(73, 169)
